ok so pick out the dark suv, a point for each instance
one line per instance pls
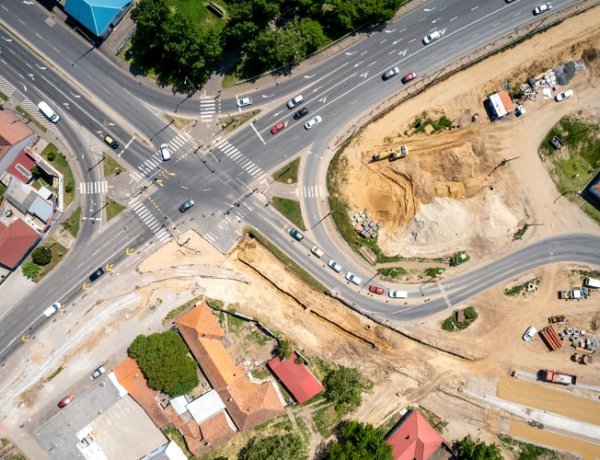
(300, 113)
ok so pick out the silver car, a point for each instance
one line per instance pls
(312, 123)
(243, 102)
(353, 278)
(334, 266)
(295, 101)
(390, 73)
(433, 36)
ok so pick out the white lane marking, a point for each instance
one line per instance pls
(475, 7)
(453, 19)
(257, 133)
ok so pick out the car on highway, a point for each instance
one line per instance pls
(98, 372)
(278, 127)
(48, 312)
(409, 77)
(543, 8)
(293, 102)
(296, 234)
(300, 113)
(313, 122)
(97, 274)
(110, 141)
(397, 294)
(564, 95)
(390, 73)
(65, 401)
(334, 266)
(243, 102)
(186, 205)
(433, 36)
(316, 251)
(353, 278)
(375, 289)
(529, 334)
(165, 153)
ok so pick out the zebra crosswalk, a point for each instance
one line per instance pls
(312, 191)
(6, 88)
(33, 110)
(151, 222)
(154, 162)
(88, 188)
(208, 109)
(242, 160)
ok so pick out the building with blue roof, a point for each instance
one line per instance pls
(98, 16)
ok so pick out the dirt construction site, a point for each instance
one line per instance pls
(446, 194)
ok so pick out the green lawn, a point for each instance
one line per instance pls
(111, 166)
(61, 164)
(290, 209)
(198, 13)
(73, 222)
(2, 190)
(112, 208)
(3, 96)
(58, 252)
(230, 123)
(392, 272)
(289, 173)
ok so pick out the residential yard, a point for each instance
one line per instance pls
(290, 209)
(61, 164)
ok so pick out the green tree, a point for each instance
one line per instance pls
(344, 386)
(164, 360)
(147, 40)
(358, 440)
(468, 449)
(313, 34)
(288, 446)
(42, 255)
(284, 348)
(30, 270)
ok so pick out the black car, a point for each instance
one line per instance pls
(300, 113)
(97, 274)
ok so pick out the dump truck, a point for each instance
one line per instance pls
(557, 377)
(572, 294)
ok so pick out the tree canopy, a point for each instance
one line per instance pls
(469, 449)
(344, 386)
(164, 360)
(289, 446)
(358, 440)
(42, 255)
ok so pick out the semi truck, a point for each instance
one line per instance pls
(557, 377)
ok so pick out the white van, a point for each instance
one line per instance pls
(398, 294)
(591, 283)
(48, 112)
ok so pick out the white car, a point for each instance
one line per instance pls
(353, 278)
(544, 7)
(397, 294)
(312, 123)
(165, 153)
(295, 101)
(334, 266)
(243, 102)
(564, 95)
(98, 372)
(433, 36)
(316, 251)
(48, 312)
(529, 334)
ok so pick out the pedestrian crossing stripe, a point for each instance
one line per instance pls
(150, 221)
(88, 188)
(6, 88)
(238, 157)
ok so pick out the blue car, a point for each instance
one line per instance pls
(296, 234)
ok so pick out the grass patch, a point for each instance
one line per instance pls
(516, 290)
(326, 419)
(459, 258)
(2, 190)
(73, 222)
(111, 166)
(174, 435)
(113, 208)
(261, 372)
(434, 271)
(290, 209)
(179, 310)
(291, 264)
(214, 303)
(289, 173)
(3, 96)
(198, 14)
(258, 337)
(230, 123)
(61, 164)
(54, 374)
(525, 451)
(58, 252)
(450, 324)
(519, 233)
(25, 114)
(234, 323)
(178, 122)
(420, 124)
(393, 272)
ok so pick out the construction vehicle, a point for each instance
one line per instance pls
(582, 358)
(557, 377)
(557, 319)
(572, 294)
(400, 153)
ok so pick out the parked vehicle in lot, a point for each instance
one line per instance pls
(296, 234)
(564, 95)
(591, 283)
(375, 289)
(48, 312)
(97, 274)
(110, 141)
(312, 123)
(543, 8)
(295, 101)
(557, 319)
(316, 251)
(278, 127)
(98, 372)
(300, 113)
(244, 101)
(433, 36)
(165, 153)
(397, 294)
(529, 334)
(409, 77)
(557, 377)
(390, 73)
(66, 400)
(353, 278)
(187, 205)
(334, 266)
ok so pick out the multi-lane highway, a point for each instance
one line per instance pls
(225, 178)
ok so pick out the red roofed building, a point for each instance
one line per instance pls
(16, 241)
(14, 137)
(414, 438)
(296, 378)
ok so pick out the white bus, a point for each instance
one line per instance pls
(591, 283)
(48, 112)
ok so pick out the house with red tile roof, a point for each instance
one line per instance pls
(414, 438)
(16, 241)
(14, 137)
(296, 378)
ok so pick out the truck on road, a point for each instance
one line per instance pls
(557, 377)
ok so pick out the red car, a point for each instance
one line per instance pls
(375, 289)
(66, 400)
(408, 77)
(278, 127)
